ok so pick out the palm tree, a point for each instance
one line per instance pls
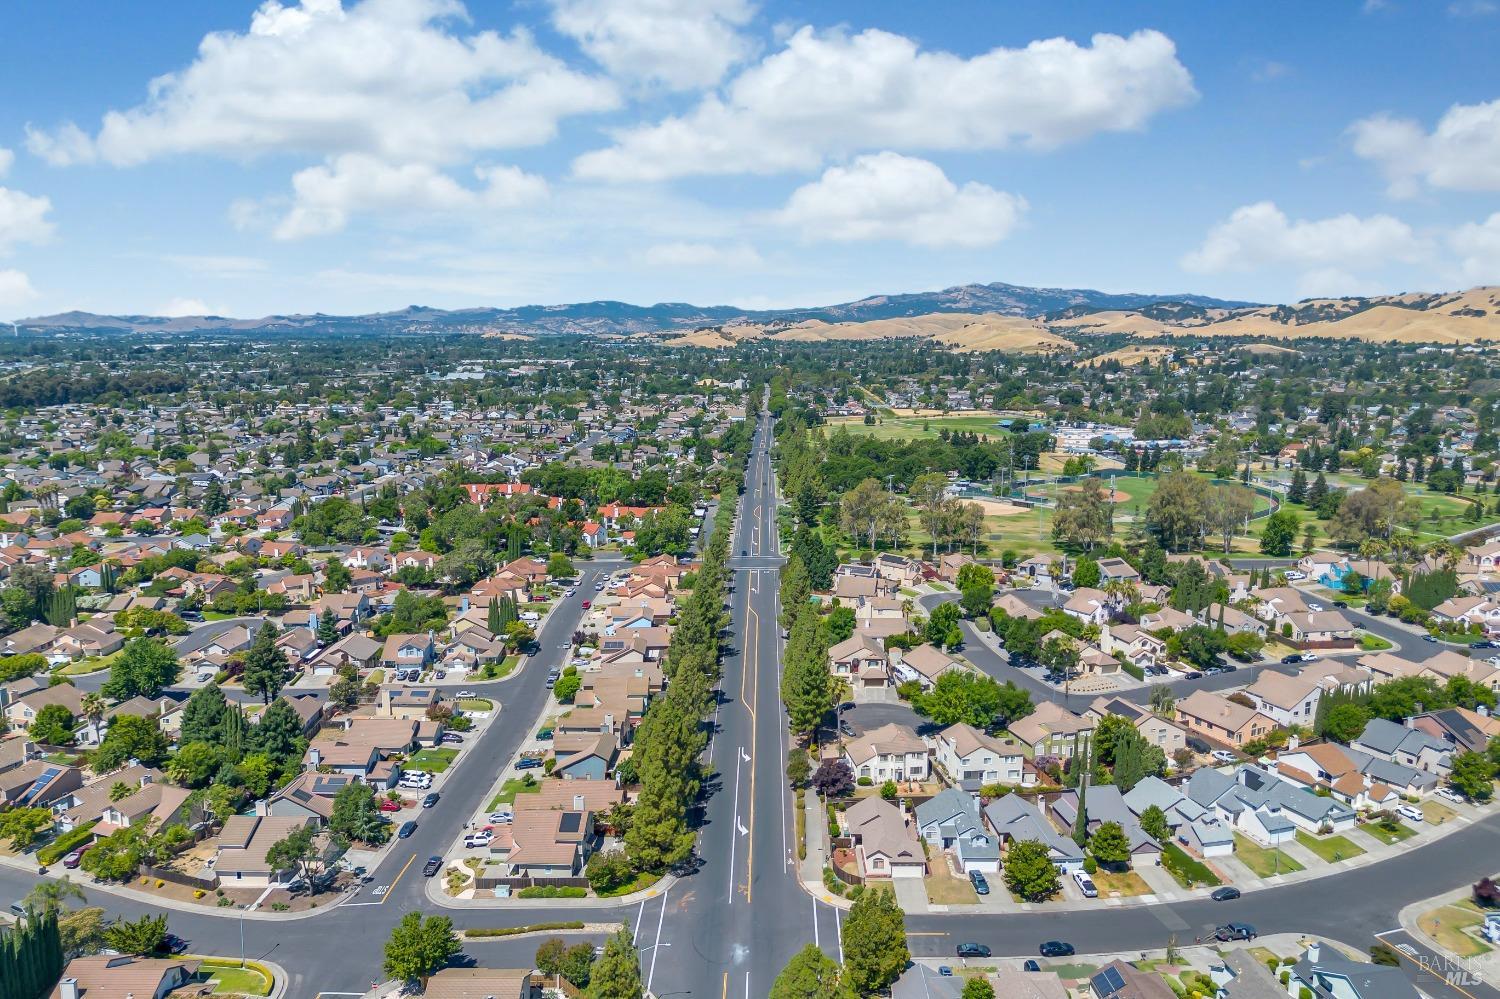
(49, 896)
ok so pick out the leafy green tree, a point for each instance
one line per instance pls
(53, 725)
(1279, 533)
(1344, 722)
(278, 733)
(418, 948)
(1086, 573)
(145, 935)
(1154, 823)
(617, 973)
(295, 851)
(549, 956)
(978, 988)
(567, 686)
(22, 826)
(81, 931)
(810, 974)
(265, 665)
(975, 574)
(942, 626)
(356, 816)
(1109, 844)
(875, 951)
(976, 600)
(1029, 871)
(806, 687)
(48, 895)
(195, 763)
(203, 715)
(975, 699)
(559, 566)
(144, 668)
(328, 627)
(1473, 776)
(130, 737)
(336, 576)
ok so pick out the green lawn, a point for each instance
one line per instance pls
(642, 881)
(912, 427)
(1331, 848)
(476, 704)
(1185, 869)
(433, 760)
(500, 670)
(232, 980)
(1388, 832)
(509, 790)
(1264, 861)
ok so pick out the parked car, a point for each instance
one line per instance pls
(431, 800)
(1226, 894)
(1224, 756)
(545, 735)
(1485, 644)
(1085, 884)
(981, 886)
(387, 805)
(433, 865)
(944, 971)
(973, 950)
(1057, 948)
(847, 730)
(529, 763)
(502, 818)
(1193, 674)
(72, 860)
(479, 839)
(1234, 931)
(407, 828)
(1293, 575)
(586, 605)
(1429, 638)
(452, 737)
(1411, 813)
(1341, 604)
(468, 693)
(171, 943)
(1030, 965)
(1446, 793)
(1295, 657)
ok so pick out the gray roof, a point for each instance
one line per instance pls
(954, 810)
(1386, 737)
(1262, 790)
(1369, 981)
(1019, 819)
(1208, 786)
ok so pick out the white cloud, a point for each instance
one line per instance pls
(678, 44)
(15, 288)
(218, 266)
(890, 196)
(392, 78)
(325, 196)
(1477, 245)
(1325, 250)
(1461, 153)
(185, 307)
(685, 254)
(23, 218)
(6, 159)
(1472, 8)
(832, 93)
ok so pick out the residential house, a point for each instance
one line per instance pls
(1052, 730)
(1225, 721)
(1089, 605)
(1410, 747)
(972, 759)
(885, 845)
(923, 664)
(890, 752)
(951, 821)
(1016, 819)
(116, 976)
(1286, 700)
(245, 841)
(1156, 730)
(1326, 973)
(1104, 803)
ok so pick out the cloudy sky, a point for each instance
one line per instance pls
(239, 159)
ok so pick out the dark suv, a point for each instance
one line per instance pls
(973, 950)
(1234, 931)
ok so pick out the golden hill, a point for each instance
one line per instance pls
(959, 330)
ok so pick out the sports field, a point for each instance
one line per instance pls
(912, 427)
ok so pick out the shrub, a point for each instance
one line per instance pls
(1090, 866)
(1305, 993)
(552, 891)
(888, 790)
(832, 883)
(1285, 976)
(510, 931)
(65, 844)
(1134, 670)
(865, 782)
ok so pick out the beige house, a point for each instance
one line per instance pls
(890, 752)
(1051, 730)
(972, 759)
(886, 845)
(1156, 730)
(1221, 719)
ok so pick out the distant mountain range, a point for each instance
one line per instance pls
(622, 318)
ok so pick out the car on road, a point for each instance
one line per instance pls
(529, 763)
(407, 828)
(599, 586)
(433, 865)
(1234, 931)
(847, 730)
(1226, 894)
(468, 693)
(586, 605)
(1341, 604)
(1057, 948)
(431, 800)
(570, 591)
(171, 944)
(1429, 638)
(552, 677)
(1223, 756)
(387, 805)
(1485, 644)
(1030, 965)
(72, 860)
(973, 950)
(981, 886)
(1411, 813)
(1295, 657)
(1193, 674)
(743, 552)
(944, 971)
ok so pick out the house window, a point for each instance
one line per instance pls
(877, 864)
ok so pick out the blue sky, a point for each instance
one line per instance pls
(245, 159)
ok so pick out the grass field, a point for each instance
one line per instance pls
(945, 889)
(512, 787)
(1264, 861)
(906, 428)
(1447, 925)
(1123, 884)
(232, 980)
(1331, 848)
(1389, 832)
(433, 760)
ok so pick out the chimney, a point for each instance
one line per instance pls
(1314, 952)
(609, 721)
(578, 802)
(68, 988)
(314, 757)
(463, 604)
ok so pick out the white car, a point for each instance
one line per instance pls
(1085, 884)
(502, 818)
(481, 838)
(468, 693)
(1411, 813)
(571, 590)
(1314, 607)
(1448, 794)
(1294, 575)
(1224, 756)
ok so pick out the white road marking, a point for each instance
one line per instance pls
(656, 949)
(732, 840)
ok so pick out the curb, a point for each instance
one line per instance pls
(437, 897)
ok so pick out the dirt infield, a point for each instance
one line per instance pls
(996, 508)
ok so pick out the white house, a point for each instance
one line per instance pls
(972, 759)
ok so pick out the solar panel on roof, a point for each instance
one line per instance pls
(1108, 982)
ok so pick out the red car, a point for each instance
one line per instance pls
(387, 805)
(587, 605)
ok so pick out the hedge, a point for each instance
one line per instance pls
(1185, 869)
(1134, 670)
(511, 931)
(552, 891)
(65, 844)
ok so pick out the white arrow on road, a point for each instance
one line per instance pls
(744, 755)
(741, 827)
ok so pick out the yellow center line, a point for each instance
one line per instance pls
(725, 991)
(392, 889)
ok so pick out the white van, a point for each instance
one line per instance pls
(1085, 884)
(1411, 813)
